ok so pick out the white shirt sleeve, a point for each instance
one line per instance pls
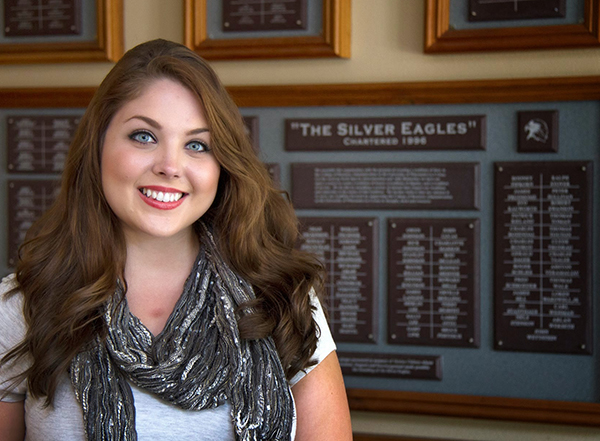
(12, 332)
(325, 343)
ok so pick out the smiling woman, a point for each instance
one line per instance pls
(162, 296)
(156, 158)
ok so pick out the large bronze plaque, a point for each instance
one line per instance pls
(433, 282)
(27, 200)
(491, 10)
(41, 17)
(457, 132)
(264, 15)
(348, 249)
(424, 186)
(39, 144)
(543, 256)
(417, 367)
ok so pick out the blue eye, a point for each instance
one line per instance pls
(142, 137)
(197, 146)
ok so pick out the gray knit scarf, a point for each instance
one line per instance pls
(197, 362)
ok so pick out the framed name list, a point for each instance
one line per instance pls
(543, 235)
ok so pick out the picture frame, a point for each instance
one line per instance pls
(106, 46)
(585, 88)
(334, 40)
(441, 38)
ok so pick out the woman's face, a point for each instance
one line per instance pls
(158, 172)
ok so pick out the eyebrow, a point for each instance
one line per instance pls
(156, 125)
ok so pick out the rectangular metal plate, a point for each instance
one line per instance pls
(491, 10)
(417, 367)
(264, 15)
(27, 200)
(348, 249)
(39, 143)
(543, 256)
(433, 282)
(24, 18)
(456, 132)
(423, 186)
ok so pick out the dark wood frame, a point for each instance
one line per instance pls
(108, 45)
(441, 38)
(443, 92)
(334, 40)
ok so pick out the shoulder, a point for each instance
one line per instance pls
(325, 342)
(12, 325)
(12, 332)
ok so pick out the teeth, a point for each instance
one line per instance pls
(162, 197)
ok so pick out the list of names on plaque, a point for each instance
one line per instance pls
(347, 248)
(418, 367)
(456, 132)
(433, 282)
(264, 15)
(450, 185)
(27, 200)
(41, 17)
(39, 144)
(542, 256)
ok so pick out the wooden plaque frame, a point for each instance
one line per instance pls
(108, 45)
(334, 40)
(443, 92)
(441, 38)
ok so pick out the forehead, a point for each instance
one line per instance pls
(164, 99)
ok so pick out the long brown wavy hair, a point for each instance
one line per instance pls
(73, 256)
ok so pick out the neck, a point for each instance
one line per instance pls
(161, 255)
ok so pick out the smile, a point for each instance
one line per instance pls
(161, 196)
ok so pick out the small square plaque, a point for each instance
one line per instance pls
(538, 131)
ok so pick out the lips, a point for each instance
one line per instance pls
(162, 198)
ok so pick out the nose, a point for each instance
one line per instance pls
(168, 161)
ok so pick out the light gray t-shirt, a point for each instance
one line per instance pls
(155, 418)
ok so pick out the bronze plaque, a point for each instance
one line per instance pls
(417, 367)
(538, 131)
(24, 18)
(433, 282)
(264, 15)
(491, 10)
(347, 247)
(39, 144)
(543, 256)
(457, 132)
(422, 186)
(27, 200)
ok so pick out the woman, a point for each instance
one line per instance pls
(161, 296)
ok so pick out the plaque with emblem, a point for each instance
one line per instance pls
(538, 131)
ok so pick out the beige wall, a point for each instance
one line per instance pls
(387, 42)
